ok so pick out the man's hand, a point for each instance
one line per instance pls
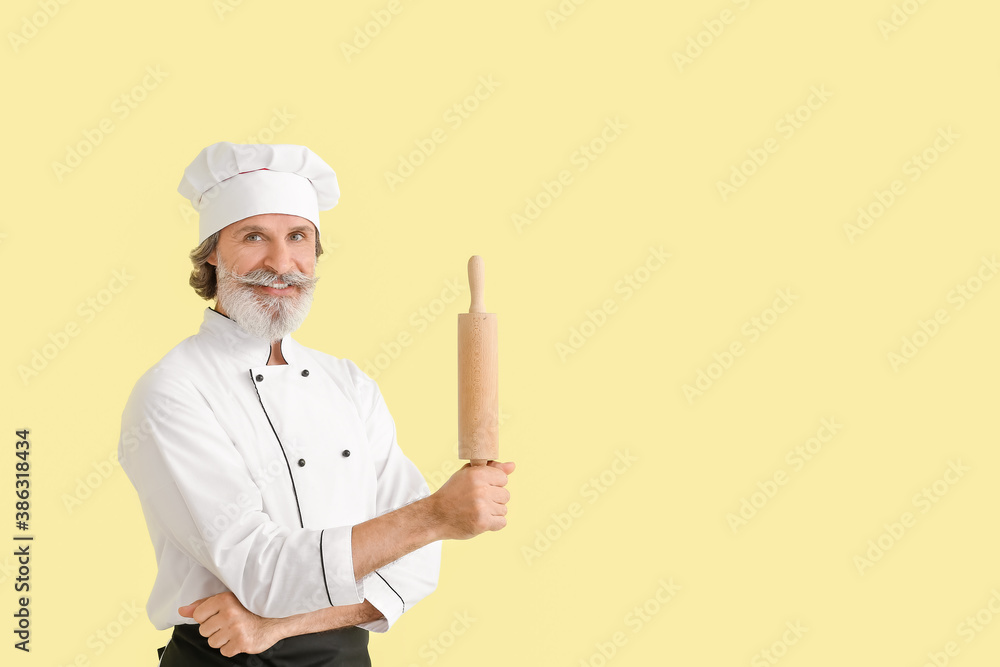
(473, 500)
(229, 626)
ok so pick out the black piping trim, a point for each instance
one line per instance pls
(294, 492)
(392, 589)
(322, 564)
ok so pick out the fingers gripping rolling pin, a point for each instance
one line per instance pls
(478, 395)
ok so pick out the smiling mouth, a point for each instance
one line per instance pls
(277, 288)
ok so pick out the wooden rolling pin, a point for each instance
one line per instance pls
(478, 393)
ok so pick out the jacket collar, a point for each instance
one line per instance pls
(229, 338)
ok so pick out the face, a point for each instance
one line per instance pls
(265, 266)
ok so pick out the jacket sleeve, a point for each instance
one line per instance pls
(198, 493)
(398, 586)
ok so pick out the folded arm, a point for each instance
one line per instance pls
(232, 629)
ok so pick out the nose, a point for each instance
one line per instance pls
(279, 258)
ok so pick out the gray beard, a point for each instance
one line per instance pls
(267, 316)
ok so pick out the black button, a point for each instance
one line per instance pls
(305, 373)
(302, 463)
(259, 378)
(345, 453)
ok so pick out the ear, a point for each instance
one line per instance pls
(211, 259)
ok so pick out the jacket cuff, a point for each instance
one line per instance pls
(383, 598)
(337, 562)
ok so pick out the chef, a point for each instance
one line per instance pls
(285, 519)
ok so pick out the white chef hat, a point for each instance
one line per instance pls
(228, 182)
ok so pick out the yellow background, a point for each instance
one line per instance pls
(567, 416)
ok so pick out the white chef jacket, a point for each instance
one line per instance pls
(251, 477)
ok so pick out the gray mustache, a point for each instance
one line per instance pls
(265, 277)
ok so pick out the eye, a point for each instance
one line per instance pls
(249, 237)
(300, 236)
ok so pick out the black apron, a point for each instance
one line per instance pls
(344, 647)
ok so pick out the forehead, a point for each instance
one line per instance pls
(274, 223)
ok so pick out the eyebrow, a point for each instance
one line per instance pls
(259, 228)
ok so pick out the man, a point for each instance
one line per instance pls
(285, 518)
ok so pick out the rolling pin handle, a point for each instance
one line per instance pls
(477, 284)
